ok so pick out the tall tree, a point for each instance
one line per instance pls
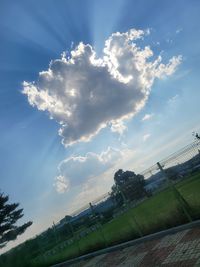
(9, 215)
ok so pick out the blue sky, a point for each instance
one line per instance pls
(50, 179)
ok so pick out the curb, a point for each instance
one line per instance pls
(131, 243)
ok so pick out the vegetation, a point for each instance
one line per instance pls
(128, 186)
(9, 215)
(152, 215)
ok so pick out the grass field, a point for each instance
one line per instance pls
(156, 213)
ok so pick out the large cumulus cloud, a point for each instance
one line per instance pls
(84, 93)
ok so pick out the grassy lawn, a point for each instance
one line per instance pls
(191, 192)
(159, 212)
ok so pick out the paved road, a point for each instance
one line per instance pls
(174, 250)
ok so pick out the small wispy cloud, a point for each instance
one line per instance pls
(146, 136)
(156, 43)
(169, 41)
(173, 99)
(147, 117)
(179, 30)
(61, 184)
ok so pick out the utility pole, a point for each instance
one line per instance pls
(184, 205)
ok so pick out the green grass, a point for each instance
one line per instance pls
(159, 212)
(191, 191)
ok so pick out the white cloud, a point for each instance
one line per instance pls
(147, 117)
(179, 30)
(173, 99)
(169, 41)
(61, 184)
(118, 126)
(85, 94)
(146, 136)
(77, 170)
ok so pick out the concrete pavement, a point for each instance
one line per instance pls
(181, 248)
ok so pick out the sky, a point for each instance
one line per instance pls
(88, 87)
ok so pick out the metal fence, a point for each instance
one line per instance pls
(94, 202)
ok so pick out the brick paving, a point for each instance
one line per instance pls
(175, 250)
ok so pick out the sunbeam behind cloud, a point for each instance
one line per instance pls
(85, 94)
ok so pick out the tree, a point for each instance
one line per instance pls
(130, 185)
(116, 196)
(9, 215)
(197, 136)
(122, 177)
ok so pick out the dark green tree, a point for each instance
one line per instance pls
(116, 195)
(9, 215)
(129, 184)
